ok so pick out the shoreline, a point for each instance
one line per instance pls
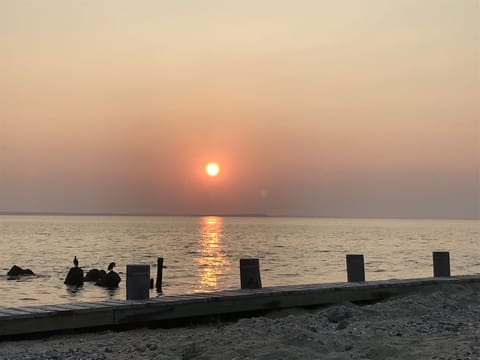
(438, 324)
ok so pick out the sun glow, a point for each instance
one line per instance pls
(212, 169)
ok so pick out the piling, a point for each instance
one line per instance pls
(138, 282)
(441, 264)
(355, 268)
(159, 273)
(250, 274)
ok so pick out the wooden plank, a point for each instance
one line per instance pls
(168, 299)
(35, 309)
(15, 311)
(117, 303)
(173, 297)
(226, 294)
(75, 306)
(57, 308)
(96, 305)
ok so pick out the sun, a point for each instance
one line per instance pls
(212, 169)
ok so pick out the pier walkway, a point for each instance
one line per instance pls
(90, 315)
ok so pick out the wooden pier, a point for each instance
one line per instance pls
(91, 315)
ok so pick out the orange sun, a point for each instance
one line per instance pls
(212, 169)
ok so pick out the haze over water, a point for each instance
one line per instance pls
(202, 253)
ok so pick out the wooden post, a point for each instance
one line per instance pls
(441, 264)
(151, 283)
(138, 282)
(250, 274)
(355, 268)
(159, 273)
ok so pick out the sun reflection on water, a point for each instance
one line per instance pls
(211, 260)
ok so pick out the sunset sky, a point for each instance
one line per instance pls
(311, 108)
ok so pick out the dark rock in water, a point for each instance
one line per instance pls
(18, 271)
(95, 275)
(74, 276)
(111, 280)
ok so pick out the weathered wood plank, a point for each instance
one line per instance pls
(96, 305)
(15, 311)
(35, 310)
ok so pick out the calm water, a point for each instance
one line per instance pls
(202, 253)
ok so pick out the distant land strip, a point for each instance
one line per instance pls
(253, 215)
(39, 213)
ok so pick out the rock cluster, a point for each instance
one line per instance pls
(16, 271)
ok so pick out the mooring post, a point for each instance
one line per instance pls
(441, 264)
(355, 268)
(250, 274)
(138, 282)
(159, 273)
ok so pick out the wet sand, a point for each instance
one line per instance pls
(444, 324)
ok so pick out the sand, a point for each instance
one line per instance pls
(444, 324)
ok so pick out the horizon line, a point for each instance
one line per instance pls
(153, 214)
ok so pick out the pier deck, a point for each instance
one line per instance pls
(89, 315)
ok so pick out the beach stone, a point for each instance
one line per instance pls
(74, 276)
(382, 352)
(18, 271)
(190, 352)
(339, 313)
(342, 325)
(140, 346)
(152, 347)
(313, 328)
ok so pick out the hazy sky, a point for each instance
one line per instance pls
(321, 108)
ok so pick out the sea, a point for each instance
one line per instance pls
(201, 254)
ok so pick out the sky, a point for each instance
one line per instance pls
(311, 108)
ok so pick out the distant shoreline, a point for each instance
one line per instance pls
(252, 215)
(33, 213)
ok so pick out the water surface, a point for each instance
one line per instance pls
(202, 253)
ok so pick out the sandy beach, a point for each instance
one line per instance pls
(444, 324)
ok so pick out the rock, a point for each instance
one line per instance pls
(95, 275)
(18, 271)
(339, 313)
(74, 276)
(152, 347)
(111, 280)
(140, 346)
(108, 350)
(190, 352)
(342, 325)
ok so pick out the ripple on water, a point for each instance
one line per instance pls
(291, 251)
